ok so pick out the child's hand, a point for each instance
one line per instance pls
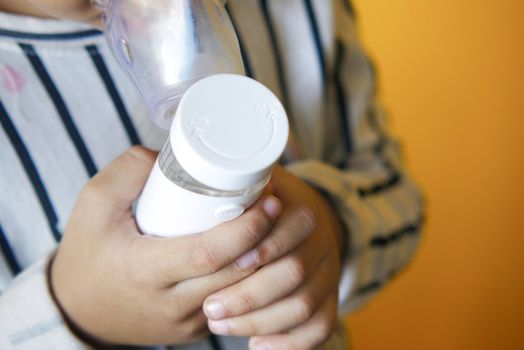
(121, 287)
(291, 302)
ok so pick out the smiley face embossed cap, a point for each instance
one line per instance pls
(228, 132)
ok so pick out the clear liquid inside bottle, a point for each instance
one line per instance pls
(174, 171)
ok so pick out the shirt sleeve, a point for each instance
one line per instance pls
(29, 318)
(364, 176)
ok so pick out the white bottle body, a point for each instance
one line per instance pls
(166, 209)
(227, 134)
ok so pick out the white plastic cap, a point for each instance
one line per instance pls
(228, 131)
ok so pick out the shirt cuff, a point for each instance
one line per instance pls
(29, 318)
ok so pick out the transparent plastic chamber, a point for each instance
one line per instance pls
(226, 136)
(226, 130)
(165, 46)
(172, 169)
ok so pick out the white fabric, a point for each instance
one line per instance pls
(382, 213)
(41, 326)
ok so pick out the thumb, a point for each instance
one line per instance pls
(117, 186)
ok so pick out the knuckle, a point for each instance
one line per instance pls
(310, 216)
(246, 302)
(296, 269)
(304, 308)
(273, 248)
(205, 260)
(257, 226)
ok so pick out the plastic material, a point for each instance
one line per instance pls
(227, 134)
(166, 209)
(165, 46)
(228, 131)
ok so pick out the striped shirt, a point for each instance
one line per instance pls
(66, 111)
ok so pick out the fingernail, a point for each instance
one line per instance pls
(215, 309)
(248, 260)
(218, 327)
(260, 345)
(272, 207)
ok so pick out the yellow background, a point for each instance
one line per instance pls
(452, 75)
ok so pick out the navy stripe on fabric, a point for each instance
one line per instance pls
(103, 71)
(279, 63)
(395, 176)
(315, 31)
(8, 253)
(245, 57)
(383, 240)
(368, 288)
(276, 51)
(348, 5)
(31, 171)
(50, 36)
(374, 286)
(343, 101)
(215, 344)
(61, 107)
(393, 180)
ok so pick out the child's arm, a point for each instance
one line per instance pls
(118, 286)
(381, 207)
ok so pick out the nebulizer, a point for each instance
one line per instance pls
(226, 131)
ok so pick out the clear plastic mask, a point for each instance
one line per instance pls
(165, 46)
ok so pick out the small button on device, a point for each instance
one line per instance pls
(229, 212)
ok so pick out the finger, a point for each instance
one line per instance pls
(194, 291)
(282, 315)
(291, 271)
(180, 258)
(306, 336)
(115, 187)
(291, 230)
(240, 297)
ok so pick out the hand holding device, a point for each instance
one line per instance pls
(227, 134)
(226, 131)
(300, 310)
(122, 287)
